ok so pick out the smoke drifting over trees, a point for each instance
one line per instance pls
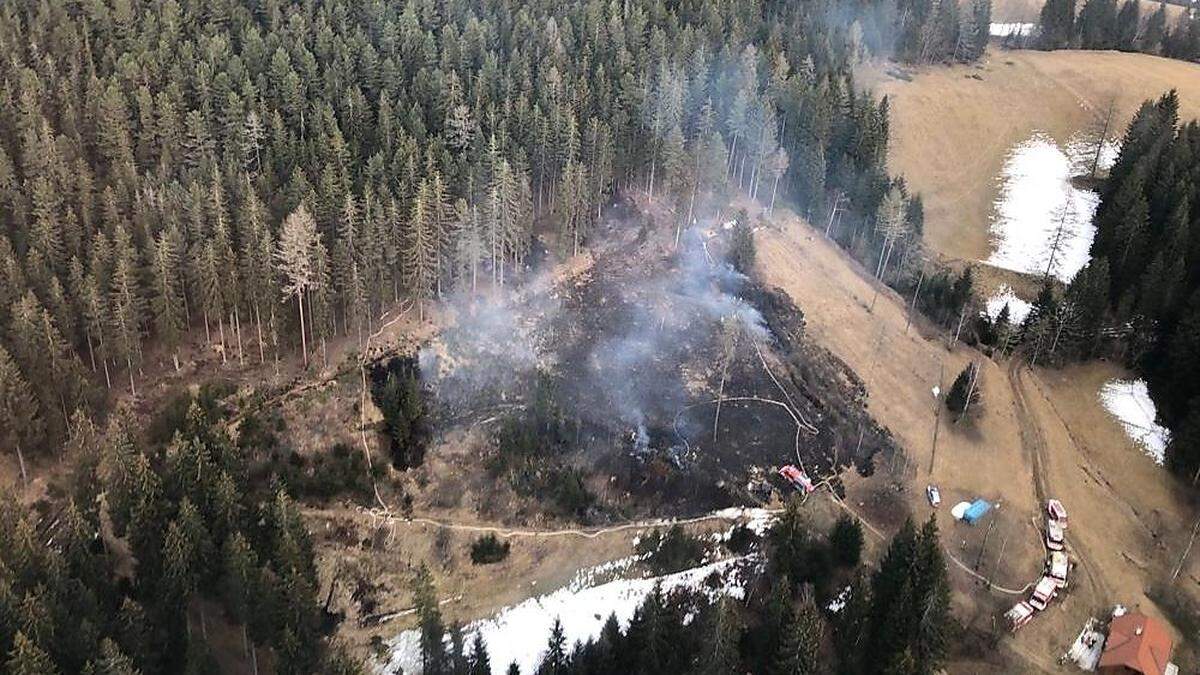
(152, 153)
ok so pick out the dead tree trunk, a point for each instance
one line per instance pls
(21, 461)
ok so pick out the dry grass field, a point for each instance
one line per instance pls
(1040, 434)
(952, 127)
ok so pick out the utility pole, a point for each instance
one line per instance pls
(1000, 558)
(983, 548)
(970, 387)
(1067, 210)
(937, 415)
(912, 307)
(1108, 115)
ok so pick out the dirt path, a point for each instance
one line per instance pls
(727, 515)
(1034, 442)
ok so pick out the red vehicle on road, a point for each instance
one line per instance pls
(797, 478)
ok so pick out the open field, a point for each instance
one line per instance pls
(952, 127)
(1041, 434)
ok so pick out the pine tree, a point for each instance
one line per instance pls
(480, 663)
(846, 540)
(1183, 450)
(421, 249)
(981, 13)
(965, 394)
(555, 662)
(932, 595)
(723, 634)
(1056, 25)
(128, 311)
(1128, 26)
(20, 421)
(801, 640)
(429, 619)
(112, 661)
(1155, 34)
(168, 293)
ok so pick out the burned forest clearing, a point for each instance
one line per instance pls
(618, 363)
(607, 337)
(631, 338)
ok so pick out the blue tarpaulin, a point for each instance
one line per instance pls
(976, 510)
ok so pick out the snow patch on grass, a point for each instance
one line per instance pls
(1007, 29)
(1018, 309)
(1129, 401)
(519, 633)
(1036, 200)
(1081, 150)
(758, 520)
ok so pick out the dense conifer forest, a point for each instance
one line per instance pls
(270, 175)
(153, 544)
(259, 177)
(1147, 252)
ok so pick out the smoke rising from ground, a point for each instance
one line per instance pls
(672, 313)
(617, 337)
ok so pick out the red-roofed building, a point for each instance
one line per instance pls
(1136, 644)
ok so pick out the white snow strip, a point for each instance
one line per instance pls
(1007, 29)
(519, 633)
(1018, 309)
(1130, 402)
(758, 520)
(1041, 221)
(1081, 149)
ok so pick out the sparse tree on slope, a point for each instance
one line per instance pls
(294, 259)
(965, 392)
(721, 655)
(480, 663)
(429, 620)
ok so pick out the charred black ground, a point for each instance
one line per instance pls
(640, 349)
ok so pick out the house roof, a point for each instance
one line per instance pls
(1139, 643)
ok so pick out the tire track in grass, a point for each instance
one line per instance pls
(1034, 443)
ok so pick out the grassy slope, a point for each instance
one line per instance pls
(951, 132)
